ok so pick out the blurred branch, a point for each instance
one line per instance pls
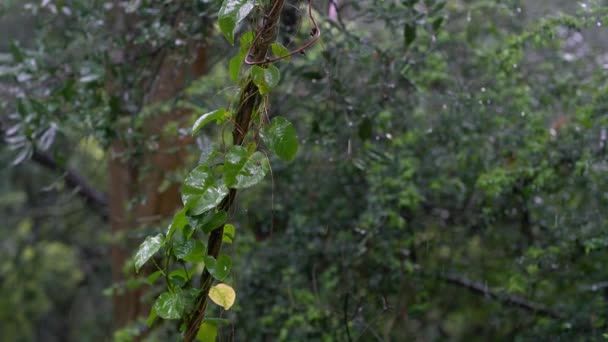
(92, 197)
(509, 300)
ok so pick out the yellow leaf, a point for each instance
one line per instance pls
(222, 295)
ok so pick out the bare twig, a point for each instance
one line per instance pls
(269, 29)
(92, 197)
(509, 300)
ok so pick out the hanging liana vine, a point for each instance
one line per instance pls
(210, 189)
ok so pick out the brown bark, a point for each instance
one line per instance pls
(134, 195)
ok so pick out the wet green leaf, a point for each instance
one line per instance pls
(242, 170)
(206, 118)
(231, 14)
(280, 137)
(202, 191)
(147, 249)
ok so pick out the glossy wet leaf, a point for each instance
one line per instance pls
(147, 249)
(202, 191)
(170, 305)
(242, 170)
(231, 14)
(280, 137)
(265, 78)
(206, 118)
(219, 268)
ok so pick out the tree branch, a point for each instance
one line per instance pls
(92, 197)
(509, 300)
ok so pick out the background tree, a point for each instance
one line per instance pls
(448, 183)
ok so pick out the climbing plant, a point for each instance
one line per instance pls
(209, 190)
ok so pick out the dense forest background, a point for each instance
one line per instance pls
(450, 182)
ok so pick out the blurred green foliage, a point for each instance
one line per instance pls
(451, 161)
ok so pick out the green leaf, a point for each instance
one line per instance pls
(222, 295)
(179, 277)
(265, 78)
(231, 14)
(178, 223)
(365, 129)
(183, 248)
(220, 268)
(201, 191)
(207, 154)
(206, 118)
(409, 34)
(152, 277)
(196, 254)
(229, 233)
(279, 51)
(207, 332)
(170, 305)
(212, 222)
(246, 41)
(151, 317)
(235, 67)
(280, 137)
(242, 170)
(147, 249)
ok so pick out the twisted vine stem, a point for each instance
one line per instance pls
(249, 100)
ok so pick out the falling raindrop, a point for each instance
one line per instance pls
(599, 24)
(523, 114)
(483, 89)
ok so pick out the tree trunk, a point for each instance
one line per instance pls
(135, 197)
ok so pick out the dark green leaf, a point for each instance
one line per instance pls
(265, 78)
(242, 170)
(409, 33)
(280, 137)
(179, 277)
(201, 191)
(220, 268)
(365, 129)
(197, 253)
(183, 248)
(437, 23)
(214, 221)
